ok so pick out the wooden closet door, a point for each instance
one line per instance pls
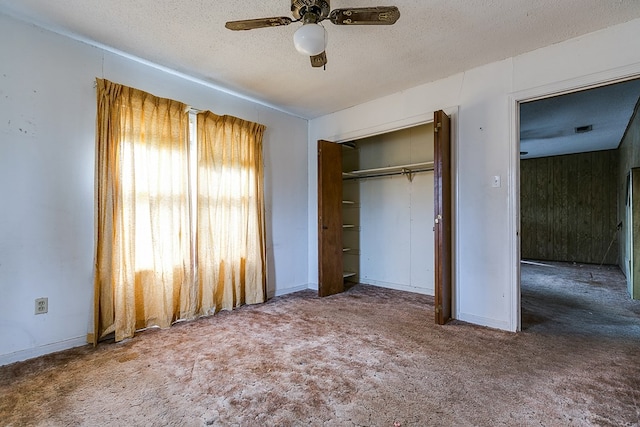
(442, 220)
(330, 268)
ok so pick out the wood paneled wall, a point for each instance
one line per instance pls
(568, 207)
(629, 158)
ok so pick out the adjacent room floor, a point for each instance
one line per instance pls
(581, 299)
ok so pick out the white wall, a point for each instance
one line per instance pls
(486, 276)
(47, 154)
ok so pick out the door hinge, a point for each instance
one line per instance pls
(438, 308)
(437, 127)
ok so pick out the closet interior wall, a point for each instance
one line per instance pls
(388, 237)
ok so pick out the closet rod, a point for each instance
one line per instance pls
(408, 172)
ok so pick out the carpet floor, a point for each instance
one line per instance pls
(367, 357)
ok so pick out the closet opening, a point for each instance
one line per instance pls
(379, 220)
(387, 184)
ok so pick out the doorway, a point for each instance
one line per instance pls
(574, 160)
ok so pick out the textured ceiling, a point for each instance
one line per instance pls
(432, 39)
(548, 126)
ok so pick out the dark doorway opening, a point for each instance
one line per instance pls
(575, 152)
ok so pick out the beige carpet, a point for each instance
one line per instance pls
(368, 357)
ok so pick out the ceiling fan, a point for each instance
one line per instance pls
(311, 38)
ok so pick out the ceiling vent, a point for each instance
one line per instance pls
(584, 129)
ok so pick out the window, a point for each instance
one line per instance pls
(156, 197)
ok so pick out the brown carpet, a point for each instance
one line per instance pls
(368, 357)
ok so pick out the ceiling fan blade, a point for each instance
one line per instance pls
(319, 60)
(251, 24)
(381, 15)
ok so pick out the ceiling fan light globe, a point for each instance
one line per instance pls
(310, 39)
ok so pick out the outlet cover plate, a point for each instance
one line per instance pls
(42, 305)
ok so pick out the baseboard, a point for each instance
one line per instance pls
(285, 291)
(19, 356)
(485, 321)
(423, 291)
(399, 287)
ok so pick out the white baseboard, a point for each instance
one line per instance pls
(30, 353)
(485, 321)
(285, 291)
(399, 287)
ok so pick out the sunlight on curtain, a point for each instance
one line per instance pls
(143, 271)
(230, 210)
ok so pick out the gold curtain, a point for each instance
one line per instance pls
(143, 260)
(230, 213)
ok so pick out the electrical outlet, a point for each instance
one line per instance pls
(42, 305)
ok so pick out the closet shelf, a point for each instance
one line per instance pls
(407, 170)
(348, 202)
(348, 226)
(348, 274)
(346, 249)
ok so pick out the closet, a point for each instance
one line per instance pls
(387, 184)
(384, 212)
